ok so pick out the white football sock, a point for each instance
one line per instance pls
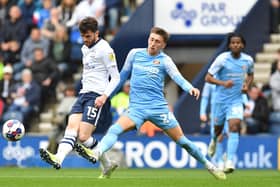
(66, 144)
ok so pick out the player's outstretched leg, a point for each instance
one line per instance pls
(195, 152)
(50, 158)
(106, 143)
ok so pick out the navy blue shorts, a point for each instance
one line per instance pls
(95, 116)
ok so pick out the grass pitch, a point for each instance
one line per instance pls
(48, 177)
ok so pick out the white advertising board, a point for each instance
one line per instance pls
(200, 16)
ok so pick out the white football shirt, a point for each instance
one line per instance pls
(97, 62)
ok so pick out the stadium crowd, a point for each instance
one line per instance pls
(40, 48)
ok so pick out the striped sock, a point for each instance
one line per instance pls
(91, 142)
(66, 144)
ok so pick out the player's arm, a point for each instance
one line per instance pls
(111, 64)
(214, 68)
(245, 99)
(248, 82)
(205, 96)
(250, 76)
(176, 76)
(210, 78)
(125, 72)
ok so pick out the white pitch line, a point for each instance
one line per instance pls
(87, 177)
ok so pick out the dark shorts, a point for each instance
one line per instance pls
(95, 116)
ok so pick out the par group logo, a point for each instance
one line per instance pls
(180, 12)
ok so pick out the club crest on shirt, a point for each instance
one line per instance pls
(156, 62)
(112, 57)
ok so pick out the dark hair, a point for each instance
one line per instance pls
(88, 24)
(233, 34)
(160, 32)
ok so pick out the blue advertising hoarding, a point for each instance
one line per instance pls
(260, 152)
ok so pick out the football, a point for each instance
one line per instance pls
(13, 130)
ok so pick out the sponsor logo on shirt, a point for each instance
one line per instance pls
(112, 57)
(152, 70)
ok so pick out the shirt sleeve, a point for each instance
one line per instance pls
(175, 75)
(126, 70)
(109, 58)
(217, 64)
(112, 68)
(251, 66)
(244, 99)
(114, 81)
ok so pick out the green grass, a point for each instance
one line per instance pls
(48, 177)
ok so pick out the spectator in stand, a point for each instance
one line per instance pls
(266, 89)
(275, 89)
(5, 6)
(274, 17)
(27, 53)
(6, 85)
(66, 10)
(256, 115)
(59, 51)
(28, 8)
(43, 13)
(13, 34)
(51, 25)
(274, 64)
(26, 99)
(45, 72)
(129, 7)
(93, 8)
(113, 10)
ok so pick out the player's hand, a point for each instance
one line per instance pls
(203, 118)
(244, 88)
(194, 92)
(228, 84)
(99, 101)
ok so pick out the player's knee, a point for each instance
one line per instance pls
(235, 128)
(218, 129)
(115, 129)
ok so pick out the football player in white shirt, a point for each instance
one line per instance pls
(92, 105)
